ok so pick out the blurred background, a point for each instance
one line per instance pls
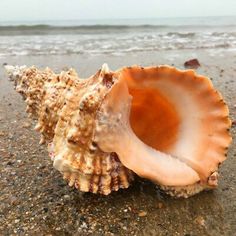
(167, 29)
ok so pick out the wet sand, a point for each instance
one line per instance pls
(34, 199)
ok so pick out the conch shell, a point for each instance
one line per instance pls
(161, 123)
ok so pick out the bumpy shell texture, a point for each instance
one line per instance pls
(163, 124)
(65, 107)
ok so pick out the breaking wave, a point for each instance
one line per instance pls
(44, 39)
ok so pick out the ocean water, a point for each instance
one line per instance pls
(116, 37)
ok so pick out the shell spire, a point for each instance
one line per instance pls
(163, 124)
(44, 93)
(65, 108)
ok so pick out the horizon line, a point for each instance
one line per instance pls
(114, 19)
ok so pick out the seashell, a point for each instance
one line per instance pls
(161, 123)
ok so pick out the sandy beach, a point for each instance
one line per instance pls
(35, 200)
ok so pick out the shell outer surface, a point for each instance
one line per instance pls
(65, 108)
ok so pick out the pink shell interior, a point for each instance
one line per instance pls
(166, 125)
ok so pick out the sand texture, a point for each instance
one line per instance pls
(34, 199)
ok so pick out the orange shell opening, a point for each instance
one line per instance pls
(176, 133)
(164, 100)
(153, 118)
